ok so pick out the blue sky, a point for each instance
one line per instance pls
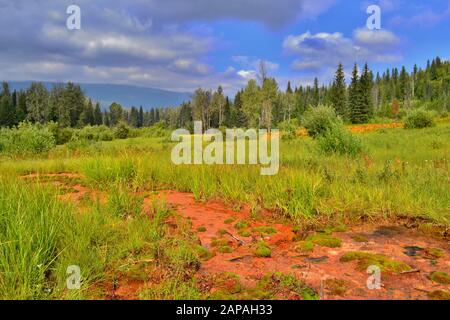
(182, 45)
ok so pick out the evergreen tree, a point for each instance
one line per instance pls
(238, 117)
(98, 115)
(366, 85)
(338, 98)
(141, 117)
(7, 110)
(316, 93)
(152, 117)
(354, 98)
(134, 117)
(21, 108)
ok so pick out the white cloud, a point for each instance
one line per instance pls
(368, 37)
(325, 50)
(247, 74)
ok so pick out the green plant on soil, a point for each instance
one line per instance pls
(440, 277)
(229, 221)
(336, 287)
(434, 253)
(368, 259)
(278, 285)
(265, 230)
(325, 240)
(201, 229)
(439, 295)
(262, 250)
(204, 253)
(225, 249)
(241, 225)
(171, 289)
(304, 247)
(244, 233)
(360, 238)
(226, 286)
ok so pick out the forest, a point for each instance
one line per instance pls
(260, 104)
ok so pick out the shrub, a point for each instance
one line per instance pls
(318, 121)
(26, 139)
(338, 140)
(418, 119)
(121, 131)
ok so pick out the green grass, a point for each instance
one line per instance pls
(402, 173)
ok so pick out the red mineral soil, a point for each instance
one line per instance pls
(322, 263)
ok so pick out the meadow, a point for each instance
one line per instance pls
(122, 227)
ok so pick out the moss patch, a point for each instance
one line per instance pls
(368, 259)
(241, 225)
(225, 249)
(229, 221)
(284, 286)
(434, 253)
(440, 277)
(325, 240)
(439, 295)
(304, 247)
(262, 250)
(203, 253)
(336, 287)
(244, 233)
(223, 286)
(265, 230)
(360, 238)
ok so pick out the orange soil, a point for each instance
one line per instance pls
(286, 260)
(213, 214)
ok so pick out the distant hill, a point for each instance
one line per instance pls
(125, 95)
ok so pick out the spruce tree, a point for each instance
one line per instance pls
(366, 84)
(316, 93)
(141, 117)
(7, 110)
(338, 98)
(354, 97)
(98, 115)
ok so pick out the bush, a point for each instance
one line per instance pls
(418, 119)
(319, 120)
(338, 140)
(27, 138)
(288, 129)
(94, 133)
(121, 131)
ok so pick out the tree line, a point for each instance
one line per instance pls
(67, 105)
(259, 104)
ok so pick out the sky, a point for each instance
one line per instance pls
(182, 45)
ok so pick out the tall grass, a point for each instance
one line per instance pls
(32, 223)
(400, 172)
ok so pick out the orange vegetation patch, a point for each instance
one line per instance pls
(363, 128)
(360, 128)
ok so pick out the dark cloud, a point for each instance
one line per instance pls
(149, 42)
